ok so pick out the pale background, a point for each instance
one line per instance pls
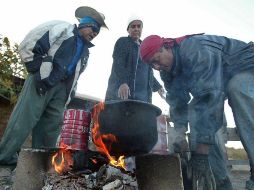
(168, 18)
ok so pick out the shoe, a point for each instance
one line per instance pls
(224, 184)
(249, 185)
(6, 174)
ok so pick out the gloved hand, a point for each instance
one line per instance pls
(202, 175)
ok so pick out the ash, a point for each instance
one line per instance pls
(106, 178)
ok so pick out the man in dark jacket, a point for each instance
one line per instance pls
(55, 54)
(130, 78)
(209, 68)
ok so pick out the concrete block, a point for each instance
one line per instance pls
(31, 168)
(159, 172)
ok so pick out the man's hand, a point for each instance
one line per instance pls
(202, 175)
(181, 145)
(124, 91)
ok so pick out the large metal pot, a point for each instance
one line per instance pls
(134, 125)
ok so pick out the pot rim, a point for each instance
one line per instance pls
(112, 102)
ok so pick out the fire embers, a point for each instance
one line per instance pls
(88, 161)
(107, 178)
(66, 160)
(62, 161)
(100, 139)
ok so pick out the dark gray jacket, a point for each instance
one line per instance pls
(125, 60)
(202, 67)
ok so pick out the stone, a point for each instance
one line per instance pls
(161, 172)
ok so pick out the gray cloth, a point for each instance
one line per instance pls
(41, 115)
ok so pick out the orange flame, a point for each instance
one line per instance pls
(62, 160)
(98, 139)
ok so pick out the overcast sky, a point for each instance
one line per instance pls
(168, 18)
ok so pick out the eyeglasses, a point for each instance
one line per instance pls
(94, 28)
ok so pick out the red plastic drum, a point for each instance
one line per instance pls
(75, 129)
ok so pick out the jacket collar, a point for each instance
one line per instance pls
(176, 67)
(133, 40)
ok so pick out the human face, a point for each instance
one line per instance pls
(89, 32)
(135, 29)
(162, 60)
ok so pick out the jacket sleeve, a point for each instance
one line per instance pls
(120, 60)
(156, 85)
(202, 64)
(33, 50)
(38, 49)
(178, 99)
(35, 46)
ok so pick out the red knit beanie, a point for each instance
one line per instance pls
(149, 46)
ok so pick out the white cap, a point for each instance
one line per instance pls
(133, 18)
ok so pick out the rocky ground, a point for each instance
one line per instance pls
(107, 178)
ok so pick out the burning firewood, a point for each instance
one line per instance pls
(106, 178)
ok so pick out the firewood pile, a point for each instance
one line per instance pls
(106, 178)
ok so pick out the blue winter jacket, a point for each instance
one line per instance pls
(47, 51)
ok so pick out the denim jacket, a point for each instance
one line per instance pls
(203, 65)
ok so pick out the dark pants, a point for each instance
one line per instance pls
(241, 99)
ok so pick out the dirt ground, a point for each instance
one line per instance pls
(238, 178)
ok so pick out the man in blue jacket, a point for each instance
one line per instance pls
(130, 78)
(55, 54)
(209, 68)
